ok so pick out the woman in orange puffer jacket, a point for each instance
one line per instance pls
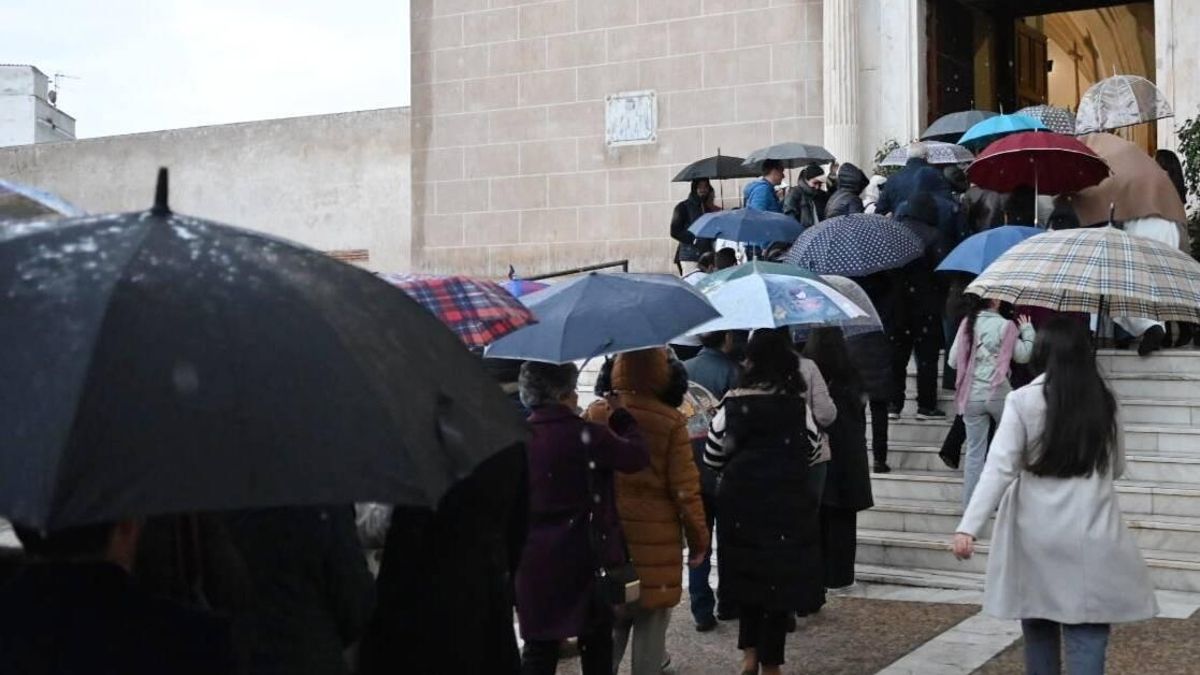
(658, 505)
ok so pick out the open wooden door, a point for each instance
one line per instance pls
(1030, 65)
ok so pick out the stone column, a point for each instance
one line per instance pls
(840, 40)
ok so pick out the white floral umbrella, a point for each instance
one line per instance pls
(1120, 101)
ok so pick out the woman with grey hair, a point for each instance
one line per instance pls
(574, 530)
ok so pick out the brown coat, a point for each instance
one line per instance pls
(661, 503)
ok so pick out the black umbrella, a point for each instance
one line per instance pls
(792, 155)
(154, 363)
(717, 167)
(950, 128)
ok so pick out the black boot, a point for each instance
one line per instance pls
(1152, 341)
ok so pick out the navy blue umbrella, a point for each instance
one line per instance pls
(855, 245)
(749, 226)
(602, 314)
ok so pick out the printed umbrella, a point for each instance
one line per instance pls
(1094, 269)
(855, 245)
(870, 323)
(952, 126)
(1137, 188)
(717, 167)
(155, 363)
(1049, 163)
(980, 250)
(749, 226)
(791, 154)
(605, 313)
(768, 295)
(998, 127)
(21, 202)
(521, 287)
(479, 311)
(1058, 120)
(1120, 101)
(939, 153)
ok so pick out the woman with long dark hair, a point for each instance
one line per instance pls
(700, 200)
(1061, 557)
(770, 555)
(848, 481)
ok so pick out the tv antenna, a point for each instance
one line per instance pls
(54, 85)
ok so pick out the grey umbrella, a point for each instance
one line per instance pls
(951, 127)
(1058, 120)
(791, 154)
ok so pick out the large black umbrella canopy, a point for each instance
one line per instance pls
(792, 155)
(950, 128)
(155, 363)
(717, 167)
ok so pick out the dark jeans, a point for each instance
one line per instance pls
(921, 338)
(765, 631)
(1086, 645)
(701, 596)
(540, 657)
(839, 544)
(879, 430)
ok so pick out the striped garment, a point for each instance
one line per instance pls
(716, 454)
(718, 451)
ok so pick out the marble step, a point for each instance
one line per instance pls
(1140, 465)
(1153, 498)
(1165, 533)
(1128, 362)
(1148, 437)
(1183, 412)
(1179, 386)
(1169, 570)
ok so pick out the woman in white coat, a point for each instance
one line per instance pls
(1061, 560)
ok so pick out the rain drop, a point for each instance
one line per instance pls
(591, 465)
(586, 436)
(185, 378)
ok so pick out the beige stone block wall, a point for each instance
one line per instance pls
(509, 161)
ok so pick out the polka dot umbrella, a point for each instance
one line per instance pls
(855, 245)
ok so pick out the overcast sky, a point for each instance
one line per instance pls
(166, 64)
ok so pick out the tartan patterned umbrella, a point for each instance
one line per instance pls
(1078, 270)
(479, 311)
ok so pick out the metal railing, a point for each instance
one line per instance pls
(623, 264)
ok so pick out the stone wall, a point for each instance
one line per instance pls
(334, 182)
(509, 161)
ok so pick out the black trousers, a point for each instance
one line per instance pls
(540, 657)
(922, 338)
(953, 444)
(839, 543)
(879, 430)
(765, 631)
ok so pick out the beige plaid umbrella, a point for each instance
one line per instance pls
(1078, 270)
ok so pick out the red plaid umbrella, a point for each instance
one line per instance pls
(481, 312)
(1049, 163)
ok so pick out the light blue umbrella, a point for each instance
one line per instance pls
(769, 295)
(600, 314)
(995, 128)
(22, 202)
(748, 226)
(978, 251)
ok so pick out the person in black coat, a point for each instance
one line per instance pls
(872, 356)
(770, 550)
(700, 200)
(918, 314)
(76, 610)
(847, 483)
(851, 181)
(445, 586)
(313, 593)
(805, 201)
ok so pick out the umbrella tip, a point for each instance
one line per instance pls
(160, 207)
(512, 272)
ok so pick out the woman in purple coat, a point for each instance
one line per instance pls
(571, 464)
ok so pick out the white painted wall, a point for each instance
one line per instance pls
(332, 182)
(26, 115)
(1177, 47)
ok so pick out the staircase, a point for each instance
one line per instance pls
(905, 539)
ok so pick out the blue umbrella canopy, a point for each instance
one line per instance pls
(978, 251)
(749, 226)
(853, 326)
(855, 245)
(600, 314)
(22, 202)
(769, 295)
(994, 128)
